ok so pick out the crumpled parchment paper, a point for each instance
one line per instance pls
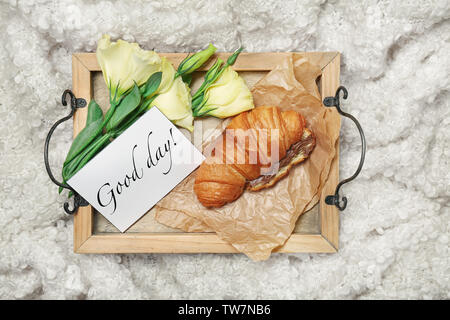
(258, 222)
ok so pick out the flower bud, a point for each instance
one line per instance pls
(192, 63)
(232, 59)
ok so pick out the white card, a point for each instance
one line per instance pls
(137, 169)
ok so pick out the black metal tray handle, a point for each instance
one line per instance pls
(75, 103)
(334, 102)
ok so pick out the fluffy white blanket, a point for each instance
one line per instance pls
(395, 231)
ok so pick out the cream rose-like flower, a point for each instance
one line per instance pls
(228, 96)
(124, 63)
(175, 103)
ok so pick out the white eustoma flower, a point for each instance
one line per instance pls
(175, 103)
(168, 74)
(228, 96)
(124, 63)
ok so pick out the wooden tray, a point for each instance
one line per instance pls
(316, 231)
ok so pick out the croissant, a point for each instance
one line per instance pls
(256, 150)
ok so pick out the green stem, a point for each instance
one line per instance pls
(197, 101)
(127, 124)
(209, 78)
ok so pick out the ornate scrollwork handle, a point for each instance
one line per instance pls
(335, 102)
(75, 103)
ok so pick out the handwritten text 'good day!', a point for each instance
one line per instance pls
(107, 194)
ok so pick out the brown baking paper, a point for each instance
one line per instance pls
(258, 222)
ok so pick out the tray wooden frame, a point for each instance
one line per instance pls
(85, 241)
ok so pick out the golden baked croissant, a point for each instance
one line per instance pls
(256, 150)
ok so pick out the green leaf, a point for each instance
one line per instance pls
(129, 103)
(94, 112)
(152, 84)
(187, 78)
(96, 148)
(94, 131)
(69, 168)
(145, 105)
(79, 161)
(67, 171)
(110, 112)
(89, 133)
(133, 117)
